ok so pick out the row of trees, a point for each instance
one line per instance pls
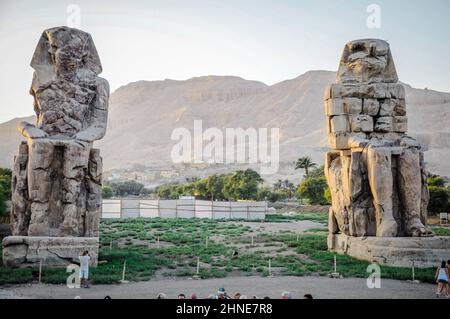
(244, 185)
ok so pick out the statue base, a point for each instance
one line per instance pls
(30, 251)
(393, 251)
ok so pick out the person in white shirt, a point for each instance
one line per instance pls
(84, 268)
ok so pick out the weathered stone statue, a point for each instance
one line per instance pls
(375, 171)
(57, 173)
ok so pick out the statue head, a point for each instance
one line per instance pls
(367, 61)
(62, 51)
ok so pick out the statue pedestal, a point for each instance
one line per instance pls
(393, 251)
(28, 251)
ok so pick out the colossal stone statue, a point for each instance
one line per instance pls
(375, 171)
(57, 173)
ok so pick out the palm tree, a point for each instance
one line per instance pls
(305, 163)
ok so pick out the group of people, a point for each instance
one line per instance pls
(222, 294)
(443, 279)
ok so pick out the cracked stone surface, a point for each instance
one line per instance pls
(375, 171)
(57, 174)
(52, 251)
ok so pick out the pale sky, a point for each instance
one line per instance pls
(268, 41)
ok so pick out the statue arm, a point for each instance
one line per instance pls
(30, 131)
(99, 118)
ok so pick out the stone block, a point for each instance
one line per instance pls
(393, 251)
(400, 124)
(352, 105)
(371, 107)
(387, 107)
(396, 90)
(338, 141)
(400, 107)
(339, 124)
(334, 107)
(23, 251)
(361, 123)
(384, 124)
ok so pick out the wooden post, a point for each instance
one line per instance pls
(198, 266)
(270, 267)
(253, 242)
(110, 245)
(40, 271)
(335, 265)
(157, 242)
(206, 242)
(123, 271)
(413, 274)
(159, 211)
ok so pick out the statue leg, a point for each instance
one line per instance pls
(20, 210)
(94, 194)
(381, 185)
(76, 157)
(40, 186)
(410, 186)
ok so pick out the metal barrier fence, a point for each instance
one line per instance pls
(182, 208)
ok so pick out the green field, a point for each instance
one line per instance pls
(223, 248)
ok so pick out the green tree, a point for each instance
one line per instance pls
(242, 185)
(2, 202)
(435, 180)
(305, 163)
(107, 192)
(439, 200)
(127, 188)
(313, 190)
(266, 194)
(214, 186)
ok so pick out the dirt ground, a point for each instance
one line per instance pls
(319, 287)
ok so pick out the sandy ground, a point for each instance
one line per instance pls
(319, 287)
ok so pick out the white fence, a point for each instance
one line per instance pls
(182, 208)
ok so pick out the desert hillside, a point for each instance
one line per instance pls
(143, 115)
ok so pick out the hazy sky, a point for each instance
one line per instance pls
(269, 41)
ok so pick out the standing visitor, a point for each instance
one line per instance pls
(442, 275)
(84, 268)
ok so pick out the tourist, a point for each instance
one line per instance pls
(442, 276)
(286, 295)
(107, 297)
(266, 297)
(307, 296)
(181, 296)
(194, 296)
(84, 268)
(237, 295)
(221, 294)
(161, 296)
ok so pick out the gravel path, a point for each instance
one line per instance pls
(319, 287)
